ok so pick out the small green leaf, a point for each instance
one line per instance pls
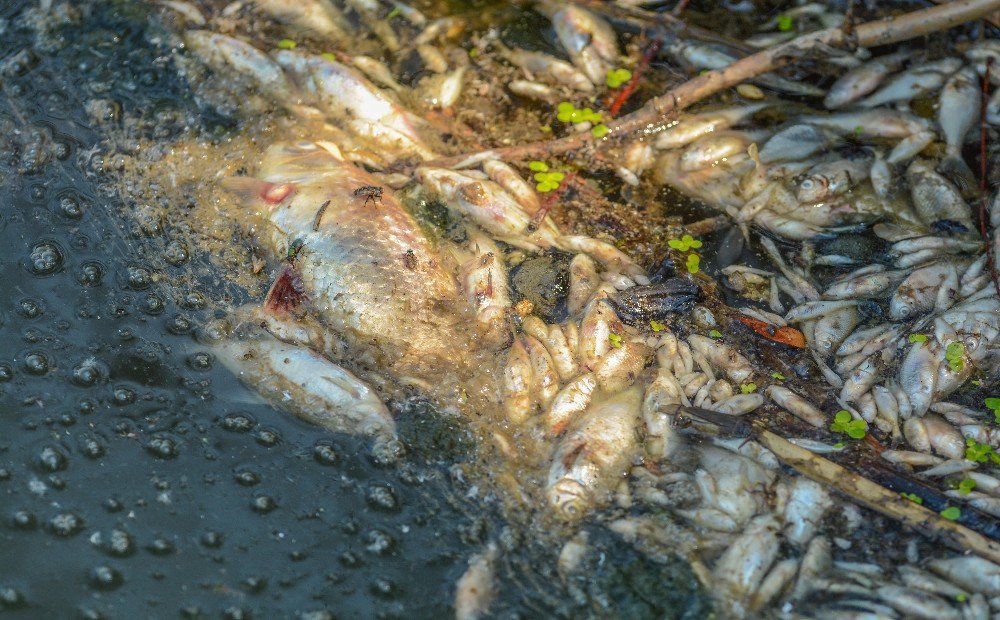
(993, 403)
(784, 23)
(691, 241)
(918, 338)
(839, 445)
(556, 176)
(599, 131)
(394, 12)
(693, 261)
(286, 44)
(952, 513)
(977, 382)
(777, 375)
(617, 77)
(328, 56)
(677, 244)
(966, 485)
(857, 429)
(961, 597)
(657, 326)
(748, 388)
(616, 340)
(913, 497)
(715, 333)
(565, 106)
(954, 354)
(843, 417)
(859, 129)
(538, 166)
(473, 52)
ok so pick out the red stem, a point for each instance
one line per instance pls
(647, 57)
(983, 228)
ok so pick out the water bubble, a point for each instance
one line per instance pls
(139, 278)
(90, 274)
(71, 206)
(89, 372)
(31, 335)
(91, 448)
(36, 363)
(200, 360)
(384, 588)
(247, 478)
(89, 613)
(379, 542)
(11, 598)
(160, 546)
(193, 301)
(153, 304)
(238, 423)
(382, 497)
(235, 613)
(325, 454)
(86, 406)
(176, 252)
(119, 544)
(103, 111)
(212, 540)
(255, 584)
(113, 505)
(105, 578)
(66, 524)
(349, 559)
(179, 325)
(46, 258)
(263, 504)
(30, 308)
(6, 372)
(268, 437)
(23, 520)
(52, 458)
(162, 447)
(123, 395)
(61, 150)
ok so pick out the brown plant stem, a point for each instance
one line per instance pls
(649, 119)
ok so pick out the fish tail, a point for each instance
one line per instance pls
(958, 172)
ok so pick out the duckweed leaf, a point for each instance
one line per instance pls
(616, 340)
(913, 497)
(656, 326)
(287, 44)
(965, 486)
(951, 513)
(748, 388)
(918, 338)
(784, 23)
(617, 77)
(715, 333)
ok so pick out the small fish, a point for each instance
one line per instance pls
(935, 199)
(829, 179)
(862, 80)
(913, 83)
(689, 128)
(958, 111)
(795, 143)
(589, 40)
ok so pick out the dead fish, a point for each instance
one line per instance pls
(938, 203)
(689, 128)
(829, 179)
(958, 111)
(795, 143)
(914, 82)
(862, 80)
(588, 39)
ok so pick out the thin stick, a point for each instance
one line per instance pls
(993, 18)
(879, 498)
(647, 57)
(650, 118)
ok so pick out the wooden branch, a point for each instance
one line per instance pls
(993, 18)
(649, 120)
(879, 498)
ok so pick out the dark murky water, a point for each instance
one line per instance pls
(135, 480)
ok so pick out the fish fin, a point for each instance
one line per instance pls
(287, 292)
(959, 173)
